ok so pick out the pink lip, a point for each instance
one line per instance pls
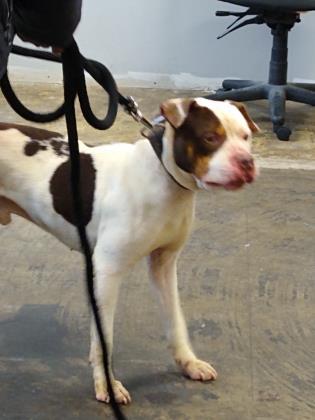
(213, 184)
(234, 184)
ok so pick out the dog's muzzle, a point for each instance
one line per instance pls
(244, 172)
(240, 170)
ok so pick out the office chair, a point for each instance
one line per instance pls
(280, 16)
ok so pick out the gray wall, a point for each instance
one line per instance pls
(179, 36)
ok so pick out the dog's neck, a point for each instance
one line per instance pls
(183, 178)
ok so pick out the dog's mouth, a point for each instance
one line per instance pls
(230, 186)
(233, 184)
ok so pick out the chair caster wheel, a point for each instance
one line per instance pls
(283, 133)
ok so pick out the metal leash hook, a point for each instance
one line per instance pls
(131, 107)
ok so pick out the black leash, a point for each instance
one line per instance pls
(74, 65)
(72, 87)
(99, 73)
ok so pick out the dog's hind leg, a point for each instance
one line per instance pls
(163, 273)
(9, 207)
(107, 287)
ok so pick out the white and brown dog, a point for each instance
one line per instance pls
(135, 205)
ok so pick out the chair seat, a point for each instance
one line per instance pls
(287, 5)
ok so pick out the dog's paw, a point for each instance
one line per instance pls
(198, 370)
(122, 396)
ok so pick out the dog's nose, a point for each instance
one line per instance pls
(247, 163)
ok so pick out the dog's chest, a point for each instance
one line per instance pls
(149, 225)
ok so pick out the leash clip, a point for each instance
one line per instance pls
(132, 108)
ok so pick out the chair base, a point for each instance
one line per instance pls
(248, 90)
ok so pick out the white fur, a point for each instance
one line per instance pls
(138, 211)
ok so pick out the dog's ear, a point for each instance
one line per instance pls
(242, 108)
(175, 111)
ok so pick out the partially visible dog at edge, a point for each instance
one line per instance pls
(135, 205)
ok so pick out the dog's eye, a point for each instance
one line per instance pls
(245, 137)
(213, 139)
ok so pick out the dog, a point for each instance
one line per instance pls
(138, 201)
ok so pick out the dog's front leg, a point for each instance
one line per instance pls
(163, 273)
(107, 287)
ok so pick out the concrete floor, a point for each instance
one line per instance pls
(247, 285)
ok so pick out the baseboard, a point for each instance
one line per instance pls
(300, 80)
(130, 79)
(168, 81)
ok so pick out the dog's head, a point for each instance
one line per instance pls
(212, 141)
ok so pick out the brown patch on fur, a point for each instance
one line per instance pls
(60, 189)
(38, 139)
(201, 166)
(33, 133)
(60, 147)
(197, 139)
(190, 151)
(243, 110)
(9, 207)
(32, 147)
